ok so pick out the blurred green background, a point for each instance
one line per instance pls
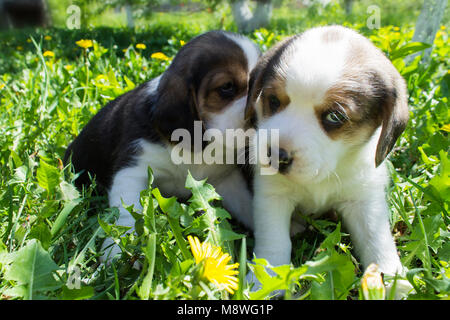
(289, 15)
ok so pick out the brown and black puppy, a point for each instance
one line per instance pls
(205, 87)
(338, 105)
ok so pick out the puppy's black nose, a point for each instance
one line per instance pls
(284, 160)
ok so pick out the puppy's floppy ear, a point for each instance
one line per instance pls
(175, 106)
(254, 90)
(394, 117)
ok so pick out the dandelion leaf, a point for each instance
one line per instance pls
(32, 270)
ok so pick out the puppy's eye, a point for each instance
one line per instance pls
(227, 90)
(334, 118)
(274, 103)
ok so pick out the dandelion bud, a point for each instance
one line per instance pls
(372, 285)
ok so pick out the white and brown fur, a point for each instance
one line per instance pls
(207, 81)
(297, 87)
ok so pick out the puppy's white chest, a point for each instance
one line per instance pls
(316, 199)
(309, 198)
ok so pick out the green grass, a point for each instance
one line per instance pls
(51, 233)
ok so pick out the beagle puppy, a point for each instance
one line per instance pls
(206, 82)
(339, 106)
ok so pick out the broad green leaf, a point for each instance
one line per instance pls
(202, 193)
(83, 293)
(47, 176)
(173, 210)
(148, 212)
(16, 292)
(440, 285)
(149, 250)
(416, 245)
(62, 217)
(273, 279)
(323, 290)
(130, 84)
(20, 174)
(68, 191)
(332, 239)
(32, 268)
(441, 181)
(338, 271)
(42, 233)
(444, 252)
(112, 78)
(16, 159)
(228, 235)
(112, 230)
(408, 49)
(269, 283)
(169, 206)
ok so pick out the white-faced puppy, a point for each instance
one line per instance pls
(207, 81)
(339, 105)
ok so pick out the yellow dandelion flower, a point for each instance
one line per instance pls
(83, 43)
(141, 46)
(443, 28)
(216, 267)
(48, 53)
(2, 86)
(68, 67)
(47, 38)
(182, 42)
(446, 127)
(159, 56)
(29, 40)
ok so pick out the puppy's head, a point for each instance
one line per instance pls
(333, 96)
(207, 81)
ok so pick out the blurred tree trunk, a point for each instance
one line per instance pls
(428, 23)
(348, 5)
(24, 13)
(130, 19)
(3, 21)
(246, 20)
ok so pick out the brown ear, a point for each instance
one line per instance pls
(395, 117)
(175, 106)
(176, 102)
